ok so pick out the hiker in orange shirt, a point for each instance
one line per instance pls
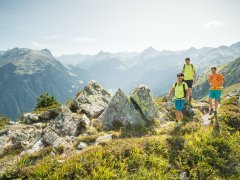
(216, 81)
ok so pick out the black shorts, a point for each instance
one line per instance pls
(189, 83)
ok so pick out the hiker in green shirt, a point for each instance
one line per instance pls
(189, 72)
(180, 89)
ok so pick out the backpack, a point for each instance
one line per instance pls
(184, 66)
(184, 88)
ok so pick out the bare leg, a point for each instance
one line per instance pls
(177, 116)
(216, 104)
(181, 115)
(210, 103)
(190, 93)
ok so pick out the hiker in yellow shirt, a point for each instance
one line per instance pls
(180, 89)
(189, 72)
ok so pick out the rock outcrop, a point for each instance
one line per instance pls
(93, 99)
(20, 137)
(136, 109)
(94, 108)
(141, 96)
(31, 117)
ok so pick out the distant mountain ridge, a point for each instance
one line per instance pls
(150, 67)
(26, 73)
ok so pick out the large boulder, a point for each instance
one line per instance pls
(66, 123)
(50, 137)
(141, 97)
(119, 112)
(93, 99)
(30, 118)
(20, 136)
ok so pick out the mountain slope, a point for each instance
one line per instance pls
(26, 73)
(151, 66)
(230, 72)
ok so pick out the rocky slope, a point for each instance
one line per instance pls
(93, 109)
(100, 136)
(26, 73)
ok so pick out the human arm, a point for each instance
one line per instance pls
(209, 80)
(194, 76)
(170, 93)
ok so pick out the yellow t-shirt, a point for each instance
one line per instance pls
(179, 92)
(188, 72)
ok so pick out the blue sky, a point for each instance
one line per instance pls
(89, 26)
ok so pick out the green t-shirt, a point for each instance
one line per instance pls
(179, 92)
(188, 71)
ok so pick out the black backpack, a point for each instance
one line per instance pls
(184, 88)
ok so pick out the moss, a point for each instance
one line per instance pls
(89, 139)
(40, 110)
(4, 121)
(229, 113)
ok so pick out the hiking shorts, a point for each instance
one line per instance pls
(189, 83)
(215, 94)
(179, 104)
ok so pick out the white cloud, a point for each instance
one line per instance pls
(213, 25)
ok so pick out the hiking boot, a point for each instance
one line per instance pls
(215, 114)
(211, 111)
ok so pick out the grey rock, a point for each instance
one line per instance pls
(36, 147)
(3, 132)
(66, 123)
(183, 176)
(29, 118)
(93, 99)
(141, 96)
(52, 138)
(50, 114)
(20, 137)
(81, 145)
(106, 137)
(85, 121)
(119, 112)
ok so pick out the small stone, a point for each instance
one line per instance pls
(81, 145)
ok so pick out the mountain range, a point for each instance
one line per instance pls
(150, 67)
(26, 73)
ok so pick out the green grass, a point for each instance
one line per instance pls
(230, 89)
(199, 151)
(40, 110)
(3, 122)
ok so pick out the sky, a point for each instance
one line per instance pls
(89, 26)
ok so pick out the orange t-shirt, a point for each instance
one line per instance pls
(216, 81)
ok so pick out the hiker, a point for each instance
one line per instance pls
(215, 81)
(180, 88)
(189, 72)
